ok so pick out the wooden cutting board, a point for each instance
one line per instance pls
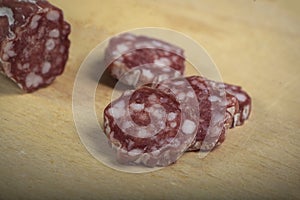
(254, 44)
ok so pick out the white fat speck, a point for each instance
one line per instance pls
(179, 52)
(213, 98)
(174, 58)
(116, 54)
(142, 45)
(137, 106)
(166, 69)
(167, 53)
(54, 33)
(119, 104)
(135, 152)
(147, 73)
(28, 1)
(162, 62)
(173, 124)
(33, 80)
(46, 67)
(34, 22)
(161, 124)
(177, 74)
(19, 66)
(168, 48)
(178, 82)
(246, 112)
(126, 125)
(231, 110)
(217, 118)
(241, 97)
(152, 98)
(190, 94)
(156, 43)
(122, 48)
(188, 126)
(132, 77)
(172, 116)
(143, 133)
(24, 66)
(50, 44)
(236, 120)
(129, 37)
(11, 53)
(154, 151)
(128, 92)
(163, 100)
(158, 113)
(181, 96)
(116, 112)
(52, 15)
(4, 11)
(163, 77)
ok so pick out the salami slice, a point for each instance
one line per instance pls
(137, 60)
(34, 42)
(244, 101)
(150, 127)
(214, 107)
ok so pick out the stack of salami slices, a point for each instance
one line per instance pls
(167, 114)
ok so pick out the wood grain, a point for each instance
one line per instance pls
(254, 44)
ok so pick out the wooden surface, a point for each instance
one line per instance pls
(254, 44)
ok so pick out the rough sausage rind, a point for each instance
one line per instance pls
(137, 60)
(34, 42)
(149, 127)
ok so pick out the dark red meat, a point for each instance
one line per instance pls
(137, 60)
(244, 101)
(34, 42)
(213, 105)
(150, 127)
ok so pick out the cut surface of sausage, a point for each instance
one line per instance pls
(137, 60)
(34, 42)
(147, 126)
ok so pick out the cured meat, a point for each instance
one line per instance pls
(214, 108)
(244, 101)
(137, 60)
(150, 127)
(221, 106)
(34, 42)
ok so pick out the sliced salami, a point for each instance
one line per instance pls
(137, 60)
(34, 42)
(244, 101)
(150, 127)
(217, 108)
